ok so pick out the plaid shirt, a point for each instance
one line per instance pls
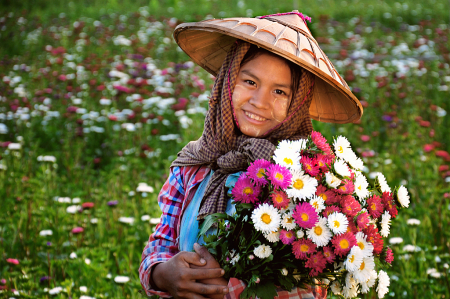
(175, 196)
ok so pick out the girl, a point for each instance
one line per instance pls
(273, 78)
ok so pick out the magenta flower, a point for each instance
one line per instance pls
(317, 263)
(350, 206)
(347, 187)
(301, 248)
(280, 199)
(330, 210)
(323, 161)
(329, 254)
(375, 206)
(305, 215)
(309, 165)
(321, 142)
(279, 176)
(287, 236)
(12, 261)
(389, 256)
(245, 191)
(77, 230)
(257, 171)
(343, 243)
(362, 220)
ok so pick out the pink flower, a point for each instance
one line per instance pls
(343, 243)
(317, 263)
(257, 171)
(305, 215)
(279, 176)
(350, 206)
(375, 206)
(362, 220)
(329, 210)
(329, 254)
(87, 205)
(347, 187)
(323, 161)
(12, 261)
(309, 166)
(328, 196)
(287, 236)
(245, 191)
(77, 230)
(389, 204)
(365, 138)
(374, 237)
(321, 142)
(302, 247)
(389, 256)
(280, 199)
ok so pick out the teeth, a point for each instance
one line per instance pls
(253, 116)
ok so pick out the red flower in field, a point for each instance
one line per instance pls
(343, 243)
(428, 148)
(181, 105)
(351, 227)
(122, 88)
(389, 204)
(424, 123)
(443, 168)
(87, 205)
(77, 230)
(362, 220)
(317, 263)
(112, 117)
(375, 206)
(321, 142)
(365, 138)
(389, 256)
(443, 154)
(12, 261)
(374, 237)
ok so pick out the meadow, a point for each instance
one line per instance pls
(96, 99)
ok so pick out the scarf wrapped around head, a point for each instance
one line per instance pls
(224, 148)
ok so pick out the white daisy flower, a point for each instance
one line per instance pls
(350, 292)
(395, 240)
(272, 237)
(361, 185)
(403, 196)
(300, 234)
(318, 203)
(287, 222)
(355, 162)
(341, 168)
(262, 251)
(366, 247)
(320, 234)
(302, 186)
(382, 182)
(383, 284)
(287, 158)
(286, 145)
(366, 285)
(413, 221)
(354, 259)
(338, 223)
(350, 281)
(385, 224)
(363, 273)
(266, 218)
(332, 180)
(336, 287)
(299, 145)
(342, 147)
(235, 259)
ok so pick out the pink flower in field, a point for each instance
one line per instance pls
(287, 236)
(122, 88)
(257, 171)
(317, 263)
(365, 138)
(302, 247)
(12, 261)
(321, 142)
(305, 215)
(245, 191)
(428, 148)
(87, 205)
(279, 176)
(77, 230)
(389, 256)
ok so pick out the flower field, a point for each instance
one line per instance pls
(93, 109)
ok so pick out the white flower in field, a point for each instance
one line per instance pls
(272, 236)
(336, 287)
(83, 289)
(361, 185)
(287, 221)
(302, 186)
(127, 220)
(433, 273)
(46, 232)
(155, 221)
(403, 196)
(355, 162)
(262, 251)
(73, 255)
(3, 167)
(73, 209)
(366, 247)
(3, 129)
(63, 199)
(383, 184)
(145, 217)
(76, 200)
(363, 272)
(14, 146)
(332, 180)
(413, 221)
(338, 223)
(342, 147)
(320, 234)
(300, 234)
(109, 276)
(266, 218)
(121, 41)
(395, 240)
(385, 224)
(87, 261)
(354, 259)
(51, 159)
(143, 187)
(411, 248)
(121, 279)
(105, 102)
(341, 168)
(318, 203)
(383, 284)
(55, 291)
(287, 157)
(94, 220)
(86, 297)
(366, 285)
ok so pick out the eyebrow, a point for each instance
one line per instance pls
(249, 73)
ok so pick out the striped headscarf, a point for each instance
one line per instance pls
(224, 148)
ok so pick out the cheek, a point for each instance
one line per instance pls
(280, 108)
(237, 98)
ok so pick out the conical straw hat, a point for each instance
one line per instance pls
(207, 43)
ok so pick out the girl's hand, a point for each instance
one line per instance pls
(211, 263)
(181, 281)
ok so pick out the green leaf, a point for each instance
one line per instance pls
(209, 221)
(262, 290)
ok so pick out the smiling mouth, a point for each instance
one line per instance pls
(254, 116)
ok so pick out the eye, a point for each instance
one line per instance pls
(279, 91)
(250, 82)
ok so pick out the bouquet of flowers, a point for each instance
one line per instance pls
(310, 218)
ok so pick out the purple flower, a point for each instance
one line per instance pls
(112, 203)
(44, 279)
(387, 118)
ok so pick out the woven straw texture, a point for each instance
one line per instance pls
(208, 42)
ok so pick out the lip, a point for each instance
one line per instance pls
(254, 121)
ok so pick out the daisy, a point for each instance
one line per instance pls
(385, 224)
(318, 203)
(366, 247)
(354, 259)
(343, 243)
(341, 168)
(266, 218)
(302, 186)
(257, 171)
(286, 145)
(287, 221)
(320, 142)
(375, 206)
(302, 247)
(262, 251)
(380, 180)
(329, 254)
(320, 234)
(305, 215)
(280, 199)
(389, 204)
(279, 176)
(403, 197)
(330, 210)
(338, 223)
(365, 286)
(336, 287)
(288, 158)
(355, 162)
(350, 281)
(350, 292)
(287, 236)
(332, 180)
(317, 263)
(362, 220)
(363, 273)
(361, 185)
(374, 238)
(245, 191)
(299, 145)
(272, 237)
(383, 284)
(309, 165)
(342, 147)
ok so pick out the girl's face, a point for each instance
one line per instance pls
(262, 94)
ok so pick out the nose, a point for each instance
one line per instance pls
(261, 99)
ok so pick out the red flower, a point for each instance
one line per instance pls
(12, 261)
(309, 166)
(375, 206)
(346, 188)
(323, 161)
(77, 230)
(443, 154)
(329, 197)
(329, 254)
(329, 210)
(343, 243)
(302, 247)
(443, 168)
(87, 205)
(374, 237)
(317, 263)
(428, 148)
(365, 138)
(389, 204)
(350, 206)
(389, 256)
(362, 220)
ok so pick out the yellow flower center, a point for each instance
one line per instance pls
(359, 188)
(340, 150)
(288, 161)
(352, 258)
(315, 205)
(343, 188)
(248, 190)
(333, 179)
(318, 230)
(373, 206)
(321, 163)
(324, 196)
(309, 167)
(289, 220)
(362, 266)
(260, 173)
(361, 245)
(279, 176)
(289, 235)
(266, 218)
(278, 198)
(336, 223)
(305, 217)
(304, 248)
(298, 184)
(327, 254)
(344, 244)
